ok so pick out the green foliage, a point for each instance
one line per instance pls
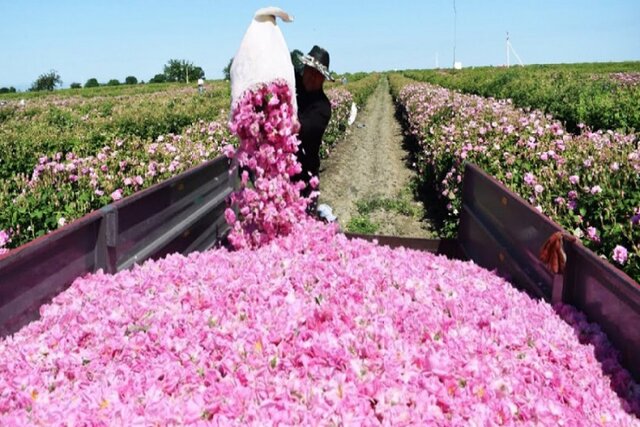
(113, 82)
(452, 129)
(361, 88)
(93, 82)
(177, 70)
(158, 78)
(126, 119)
(8, 89)
(130, 80)
(226, 71)
(85, 121)
(362, 225)
(572, 93)
(47, 81)
(75, 85)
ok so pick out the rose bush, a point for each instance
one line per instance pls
(588, 183)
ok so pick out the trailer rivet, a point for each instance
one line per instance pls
(504, 201)
(501, 257)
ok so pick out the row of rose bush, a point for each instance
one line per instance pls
(43, 126)
(602, 96)
(588, 182)
(341, 97)
(66, 184)
(311, 329)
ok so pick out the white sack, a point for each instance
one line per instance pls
(263, 56)
(353, 113)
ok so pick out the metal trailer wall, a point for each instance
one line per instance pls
(182, 214)
(499, 230)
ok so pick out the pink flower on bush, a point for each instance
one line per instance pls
(538, 188)
(116, 195)
(596, 189)
(592, 234)
(529, 178)
(574, 179)
(620, 254)
(4, 238)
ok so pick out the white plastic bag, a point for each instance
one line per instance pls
(353, 113)
(263, 56)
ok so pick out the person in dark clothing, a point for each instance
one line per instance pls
(314, 112)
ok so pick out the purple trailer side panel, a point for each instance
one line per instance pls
(37, 271)
(501, 231)
(609, 298)
(182, 214)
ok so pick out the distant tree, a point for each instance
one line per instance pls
(227, 70)
(158, 78)
(75, 86)
(180, 70)
(141, 82)
(131, 80)
(198, 73)
(4, 90)
(47, 81)
(113, 82)
(295, 60)
(93, 82)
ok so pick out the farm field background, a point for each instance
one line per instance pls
(72, 151)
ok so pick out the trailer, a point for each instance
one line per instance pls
(498, 230)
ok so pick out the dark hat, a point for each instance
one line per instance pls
(318, 58)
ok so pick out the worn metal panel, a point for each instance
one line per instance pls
(170, 218)
(182, 214)
(35, 272)
(517, 232)
(609, 298)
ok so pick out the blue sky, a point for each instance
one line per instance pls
(116, 38)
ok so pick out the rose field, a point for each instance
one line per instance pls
(68, 155)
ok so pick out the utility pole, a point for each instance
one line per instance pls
(511, 49)
(507, 49)
(437, 65)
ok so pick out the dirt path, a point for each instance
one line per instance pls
(367, 180)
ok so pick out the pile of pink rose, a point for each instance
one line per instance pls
(309, 329)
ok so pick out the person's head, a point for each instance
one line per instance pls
(316, 69)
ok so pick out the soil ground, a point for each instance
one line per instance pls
(367, 179)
